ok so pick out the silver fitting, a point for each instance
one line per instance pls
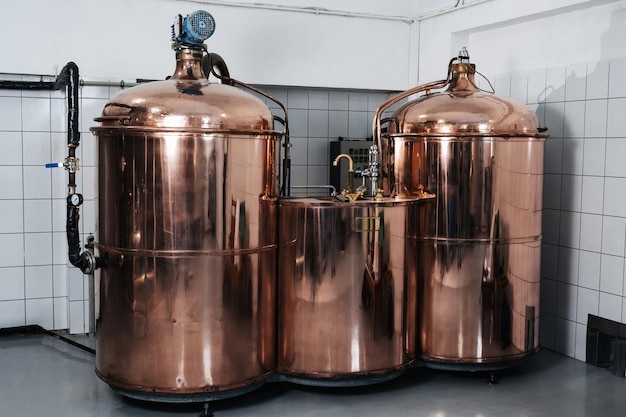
(71, 164)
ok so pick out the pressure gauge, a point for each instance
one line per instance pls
(75, 199)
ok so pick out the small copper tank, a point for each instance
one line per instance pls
(188, 184)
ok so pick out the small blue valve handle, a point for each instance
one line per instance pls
(54, 164)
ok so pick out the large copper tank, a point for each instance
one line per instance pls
(347, 308)
(188, 185)
(478, 243)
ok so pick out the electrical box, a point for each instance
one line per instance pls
(358, 151)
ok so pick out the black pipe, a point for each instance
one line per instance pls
(68, 77)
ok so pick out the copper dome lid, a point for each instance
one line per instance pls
(187, 102)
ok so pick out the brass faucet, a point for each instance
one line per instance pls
(350, 169)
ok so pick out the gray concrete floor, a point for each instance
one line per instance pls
(44, 376)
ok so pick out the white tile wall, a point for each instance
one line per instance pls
(584, 246)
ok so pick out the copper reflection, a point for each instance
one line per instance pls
(478, 243)
(343, 291)
(187, 211)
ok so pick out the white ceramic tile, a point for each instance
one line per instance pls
(357, 125)
(552, 191)
(37, 249)
(318, 124)
(94, 91)
(615, 157)
(617, 82)
(337, 100)
(318, 151)
(597, 79)
(76, 284)
(317, 174)
(502, 84)
(12, 313)
(555, 114)
(298, 122)
(59, 280)
(616, 122)
(37, 182)
(551, 222)
(591, 232)
(59, 215)
(594, 156)
(610, 306)
(553, 160)
(573, 156)
(299, 150)
(574, 119)
(536, 86)
(60, 313)
(299, 175)
(549, 261)
(569, 233)
(589, 270)
(588, 303)
(519, 86)
(318, 99)
(90, 108)
(12, 253)
(40, 311)
(555, 84)
(593, 195)
(58, 115)
(337, 124)
(576, 82)
(357, 101)
(59, 248)
(547, 331)
(566, 301)
(88, 185)
(36, 148)
(12, 219)
(11, 143)
(12, 189)
(10, 109)
(280, 94)
(11, 283)
(613, 235)
(568, 265)
(58, 145)
(596, 118)
(580, 350)
(38, 281)
(37, 216)
(76, 317)
(374, 100)
(565, 337)
(88, 148)
(58, 183)
(612, 275)
(548, 296)
(540, 112)
(36, 114)
(571, 192)
(615, 197)
(297, 98)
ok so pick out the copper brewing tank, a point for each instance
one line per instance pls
(347, 308)
(188, 185)
(478, 243)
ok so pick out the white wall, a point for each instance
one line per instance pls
(131, 39)
(506, 35)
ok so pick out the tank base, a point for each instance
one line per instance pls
(465, 365)
(358, 380)
(192, 397)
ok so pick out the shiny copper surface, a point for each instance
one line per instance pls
(478, 243)
(188, 185)
(346, 303)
